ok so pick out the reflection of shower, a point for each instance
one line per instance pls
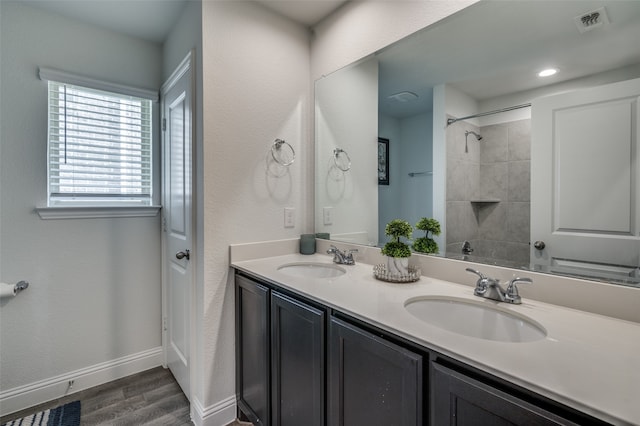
(466, 134)
(466, 248)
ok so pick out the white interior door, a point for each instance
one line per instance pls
(585, 188)
(177, 223)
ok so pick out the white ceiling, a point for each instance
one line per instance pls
(306, 12)
(493, 48)
(152, 20)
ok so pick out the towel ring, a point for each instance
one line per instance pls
(279, 156)
(337, 152)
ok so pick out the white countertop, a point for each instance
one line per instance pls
(587, 361)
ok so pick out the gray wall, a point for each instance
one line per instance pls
(389, 196)
(417, 156)
(95, 293)
(255, 73)
(411, 150)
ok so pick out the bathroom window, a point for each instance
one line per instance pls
(99, 147)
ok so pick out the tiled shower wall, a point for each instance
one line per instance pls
(488, 191)
(463, 185)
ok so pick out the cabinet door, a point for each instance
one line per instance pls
(252, 350)
(371, 381)
(460, 400)
(297, 362)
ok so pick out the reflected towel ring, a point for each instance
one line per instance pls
(281, 156)
(336, 154)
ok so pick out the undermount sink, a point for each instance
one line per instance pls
(475, 319)
(312, 269)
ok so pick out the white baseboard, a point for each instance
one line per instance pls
(219, 414)
(22, 397)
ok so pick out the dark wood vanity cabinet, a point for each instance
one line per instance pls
(462, 400)
(300, 363)
(371, 381)
(297, 362)
(282, 369)
(252, 350)
(280, 357)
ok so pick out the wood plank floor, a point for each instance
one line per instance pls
(152, 397)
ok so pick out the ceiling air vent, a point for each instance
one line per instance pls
(591, 20)
(403, 96)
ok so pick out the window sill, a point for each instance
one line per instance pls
(85, 212)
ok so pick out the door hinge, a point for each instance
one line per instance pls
(164, 324)
(164, 124)
(164, 223)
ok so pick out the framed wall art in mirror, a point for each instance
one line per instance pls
(383, 161)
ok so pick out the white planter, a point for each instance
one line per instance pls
(397, 266)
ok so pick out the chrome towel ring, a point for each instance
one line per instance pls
(341, 159)
(283, 156)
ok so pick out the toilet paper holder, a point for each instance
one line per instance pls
(8, 290)
(21, 285)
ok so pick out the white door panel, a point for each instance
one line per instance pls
(593, 166)
(178, 326)
(585, 190)
(178, 232)
(176, 162)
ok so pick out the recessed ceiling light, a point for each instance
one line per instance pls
(548, 72)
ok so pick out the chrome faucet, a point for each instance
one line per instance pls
(490, 288)
(342, 257)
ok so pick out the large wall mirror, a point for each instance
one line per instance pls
(521, 170)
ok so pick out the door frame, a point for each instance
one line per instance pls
(185, 66)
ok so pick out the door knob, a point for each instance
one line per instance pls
(539, 245)
(182, 254)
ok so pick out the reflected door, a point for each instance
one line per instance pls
(585, 195)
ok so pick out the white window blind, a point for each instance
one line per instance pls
(99, 147)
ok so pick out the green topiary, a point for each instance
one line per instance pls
(397, 229)
(427, 244)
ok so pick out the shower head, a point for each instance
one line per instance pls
(478, 137)
(466, 134)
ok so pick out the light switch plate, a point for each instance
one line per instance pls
(327, 215)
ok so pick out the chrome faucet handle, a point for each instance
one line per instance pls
(511, 294)
(348, 257)
(333, 250)
(482, 285)
(478, 273)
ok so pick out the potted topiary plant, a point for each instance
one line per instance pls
(397, 252)
(427, 244)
